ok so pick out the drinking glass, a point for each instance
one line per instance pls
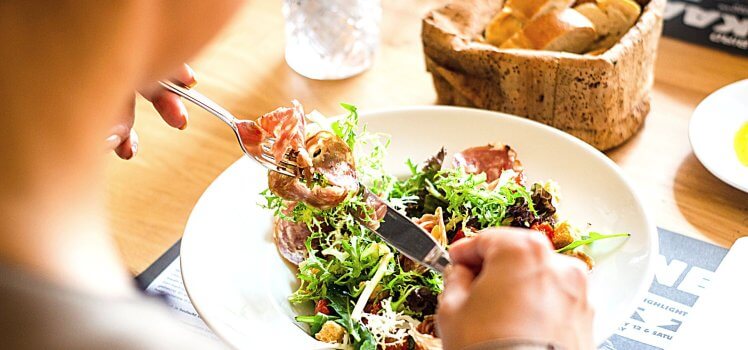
(331, 39)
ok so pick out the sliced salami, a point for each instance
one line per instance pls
(491, 160)
(290, 237)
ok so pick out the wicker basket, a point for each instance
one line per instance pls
(601, 99)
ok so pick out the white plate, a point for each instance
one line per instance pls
(239, 283)
(712, 131)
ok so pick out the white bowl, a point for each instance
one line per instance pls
(239, 284)
(712, 129)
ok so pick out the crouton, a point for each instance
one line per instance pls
(331, 332)
(562, 235)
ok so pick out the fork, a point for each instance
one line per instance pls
(395, 228)
(267, 160)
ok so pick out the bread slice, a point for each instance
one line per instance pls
(630, 9)
(611, 18)
(597, 16)
(566, 30)
(529, 9)
(515, 14)
(502, 27)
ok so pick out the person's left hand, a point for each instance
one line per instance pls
(124, 140)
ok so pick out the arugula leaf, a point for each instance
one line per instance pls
(316, 321)
(586, 240)
(362, 337)
(342, 306)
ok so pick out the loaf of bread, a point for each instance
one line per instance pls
(611, 19)
(565, 30)
(515, 14)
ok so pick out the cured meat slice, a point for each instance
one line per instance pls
(285, 126)
(333, 159)
(328, 181)
(324, 179)
(294, 189)
(491, 160)
(290, 237)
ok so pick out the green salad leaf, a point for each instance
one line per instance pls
(315, 321)
(342, 306)
(588, 239)
(346, 128)
(362, 337)
(465, 197)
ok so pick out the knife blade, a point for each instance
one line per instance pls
(408, 238)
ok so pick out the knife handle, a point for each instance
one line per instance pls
(437, 259)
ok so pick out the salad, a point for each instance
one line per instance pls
(365, 294)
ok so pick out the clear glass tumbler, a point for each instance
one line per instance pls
(331, 39)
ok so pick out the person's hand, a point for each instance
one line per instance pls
(509, 284)
(124, 140)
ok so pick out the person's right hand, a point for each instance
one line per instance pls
(124, 140)
(508, 283)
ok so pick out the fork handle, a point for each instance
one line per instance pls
(202, 101)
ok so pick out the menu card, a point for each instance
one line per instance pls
(685, 267)
(683, 270)
(164, 279)
(721, 24)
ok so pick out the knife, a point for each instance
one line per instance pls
(407, 237)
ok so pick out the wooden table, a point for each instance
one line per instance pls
(150, 197)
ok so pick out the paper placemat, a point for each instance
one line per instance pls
(685, 267)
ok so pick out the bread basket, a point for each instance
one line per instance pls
(601, 99)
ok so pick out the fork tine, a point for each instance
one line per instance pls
(284, 164)
(273, 167)
(270, 157)
(270, 162)
(267, 154)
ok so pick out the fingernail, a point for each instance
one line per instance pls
(184, 115)
(113, 141)
(134, 148)
(193, 82)
(184, 126)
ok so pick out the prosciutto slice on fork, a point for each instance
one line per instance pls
(326, 171)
